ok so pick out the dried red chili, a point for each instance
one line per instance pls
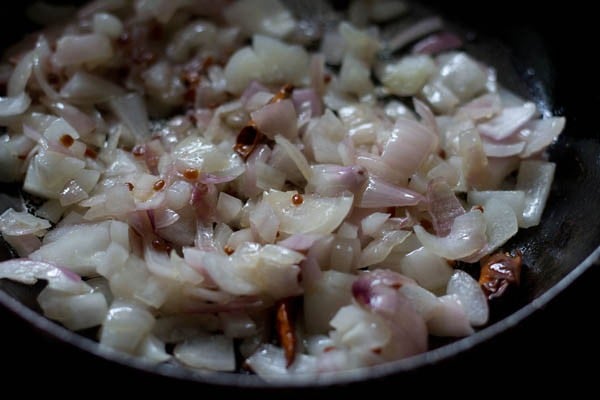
(285, 330)
(499, 271)
(284, 93)
(247, 140)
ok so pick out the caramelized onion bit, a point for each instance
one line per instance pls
(499, 271)
(285, 329)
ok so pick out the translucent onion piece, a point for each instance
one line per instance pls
(449, 318)
(471, 297)
(91, 48)
(277, 118)
(269, 363)
(16, 105)
(535, 179)
(268, 17)
(314, 214)
(126, 326)
(508, 122)
(378, 249)
(443, 206)
(428, 269)
(209, 352)
(15, 223)
(29, 271)
(74, 311)
(378, 193)
(466, 237)
(409, 144)
(324, 297)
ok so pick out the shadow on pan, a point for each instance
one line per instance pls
(542, 63)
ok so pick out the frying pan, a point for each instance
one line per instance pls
(539, 52)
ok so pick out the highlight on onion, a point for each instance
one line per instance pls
(229, 185)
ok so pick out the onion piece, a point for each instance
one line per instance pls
(443, 206)
(314, 214)
(438, 43)
(471, 297)
(277, 118)
(378, 193)
(535, 179)
(324, 298)
(10, 106)
(378, 249)
(333, 180)
(449, 318)
(508, 122)
(429, 270)
(514, 198)
(126, 326)
(501, 223)
(268, 17)
(84, 87)
(409, 144)
(270, 364)
(540, 134)
(482, 107)
(207, 352)
(29, 271)
(377, 291)
(131, 110)
(79, 311)
(504, 148)
(414, 32)
(90, 48)
(15, 223)
(466, 237)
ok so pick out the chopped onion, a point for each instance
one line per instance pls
(314, 214)
(438, 43)
(90, 48)
(131, 110)
(324, 298)
(508, 122)
(75, 311)
(449, 318)
(29, 271)
(209, 352)
(535, 179)
(428, 269)
(466, 237)
(378, 193)
(443, 206)
(413, 32)
(471, 297)
(277, 118)
(17, 105)
(268, 17)
(126, 326)
(15, 223)
(378, 250)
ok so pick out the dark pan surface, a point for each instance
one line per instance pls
(565, 246)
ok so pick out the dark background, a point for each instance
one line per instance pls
(554, 350)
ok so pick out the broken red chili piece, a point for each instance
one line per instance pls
(499, 271)
(247, 140)
(284, 93)
(285, 330)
